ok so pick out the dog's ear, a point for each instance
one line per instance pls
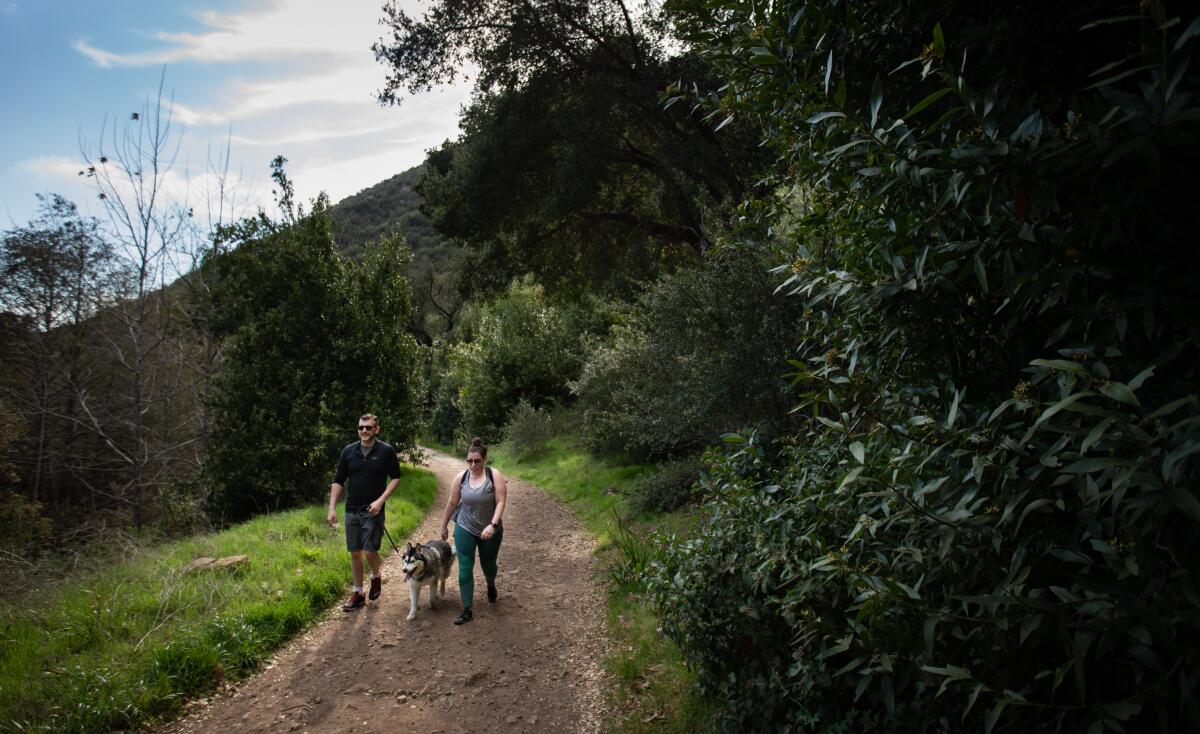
(409, 548)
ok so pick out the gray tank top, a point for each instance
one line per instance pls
(478, 504)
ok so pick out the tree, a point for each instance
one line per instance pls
(58, 274)
(569, 166)
(150, 229)
(312, 341)
(279, 306)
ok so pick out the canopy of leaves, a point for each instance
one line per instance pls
(569, 165)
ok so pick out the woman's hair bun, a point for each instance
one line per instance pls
(477, 441)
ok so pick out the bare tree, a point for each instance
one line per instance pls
(149, 221)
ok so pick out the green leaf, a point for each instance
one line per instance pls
(927, 101)
(1118, 77)
(851, 476)
(954, 408)
(1028, 625)
(1100, 463)
(1061, 404)
(1175, 457)
(1095, 435)
(820, 116)
(1172, 406)
(1120, 392)
(828, 70)
(763, 56)
(858, 451)
(1145, 374)
(991, 717)
(981, 273)
(1192, 30)
(876, 99)
(1035, 505)
(1062, 365)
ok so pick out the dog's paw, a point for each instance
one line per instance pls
(411, 617)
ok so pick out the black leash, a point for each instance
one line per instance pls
(389, 537)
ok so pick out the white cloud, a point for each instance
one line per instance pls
(300, 80)
(276, 30)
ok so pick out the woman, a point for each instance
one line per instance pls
(477, 502)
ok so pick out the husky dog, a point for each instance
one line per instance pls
(427, 564)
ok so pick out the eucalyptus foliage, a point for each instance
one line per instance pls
(989, 517)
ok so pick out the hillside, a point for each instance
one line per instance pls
(388, 206)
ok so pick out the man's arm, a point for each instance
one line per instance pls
(335, 490)
(377, 505)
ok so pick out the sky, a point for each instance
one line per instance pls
(260, 77)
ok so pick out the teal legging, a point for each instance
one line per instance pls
(464, 546)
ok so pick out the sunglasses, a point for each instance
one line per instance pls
(366, 428)
(474, 461)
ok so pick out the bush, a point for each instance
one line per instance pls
(667, 489)
(698, 354)
(521, 346)
(988, 517)
(528, 430)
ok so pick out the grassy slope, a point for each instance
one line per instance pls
(653, 692)
(127, 645)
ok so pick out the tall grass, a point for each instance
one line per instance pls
(129, 644)
(654, 692)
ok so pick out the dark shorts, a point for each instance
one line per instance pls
(364, 531)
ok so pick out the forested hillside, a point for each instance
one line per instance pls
(390, 206)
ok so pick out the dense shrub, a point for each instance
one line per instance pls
(528, 429)
(668, 488)
(700, 353)
(989, 518)
(518, 346)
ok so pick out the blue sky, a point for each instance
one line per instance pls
(290, 77)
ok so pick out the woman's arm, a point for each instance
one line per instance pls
(501, 495)
(455, 498)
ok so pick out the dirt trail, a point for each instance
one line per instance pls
(531, 662)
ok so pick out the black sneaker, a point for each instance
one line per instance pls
(355, 601)
(492, 593)
(464, 617)
(376, 588)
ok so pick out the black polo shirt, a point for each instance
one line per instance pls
(368, 474)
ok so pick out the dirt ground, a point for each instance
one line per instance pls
(531, 662)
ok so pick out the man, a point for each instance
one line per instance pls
(367, 464)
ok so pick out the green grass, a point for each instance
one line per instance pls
(128, 645)
(654, 691)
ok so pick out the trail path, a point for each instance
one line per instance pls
(531, 662)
